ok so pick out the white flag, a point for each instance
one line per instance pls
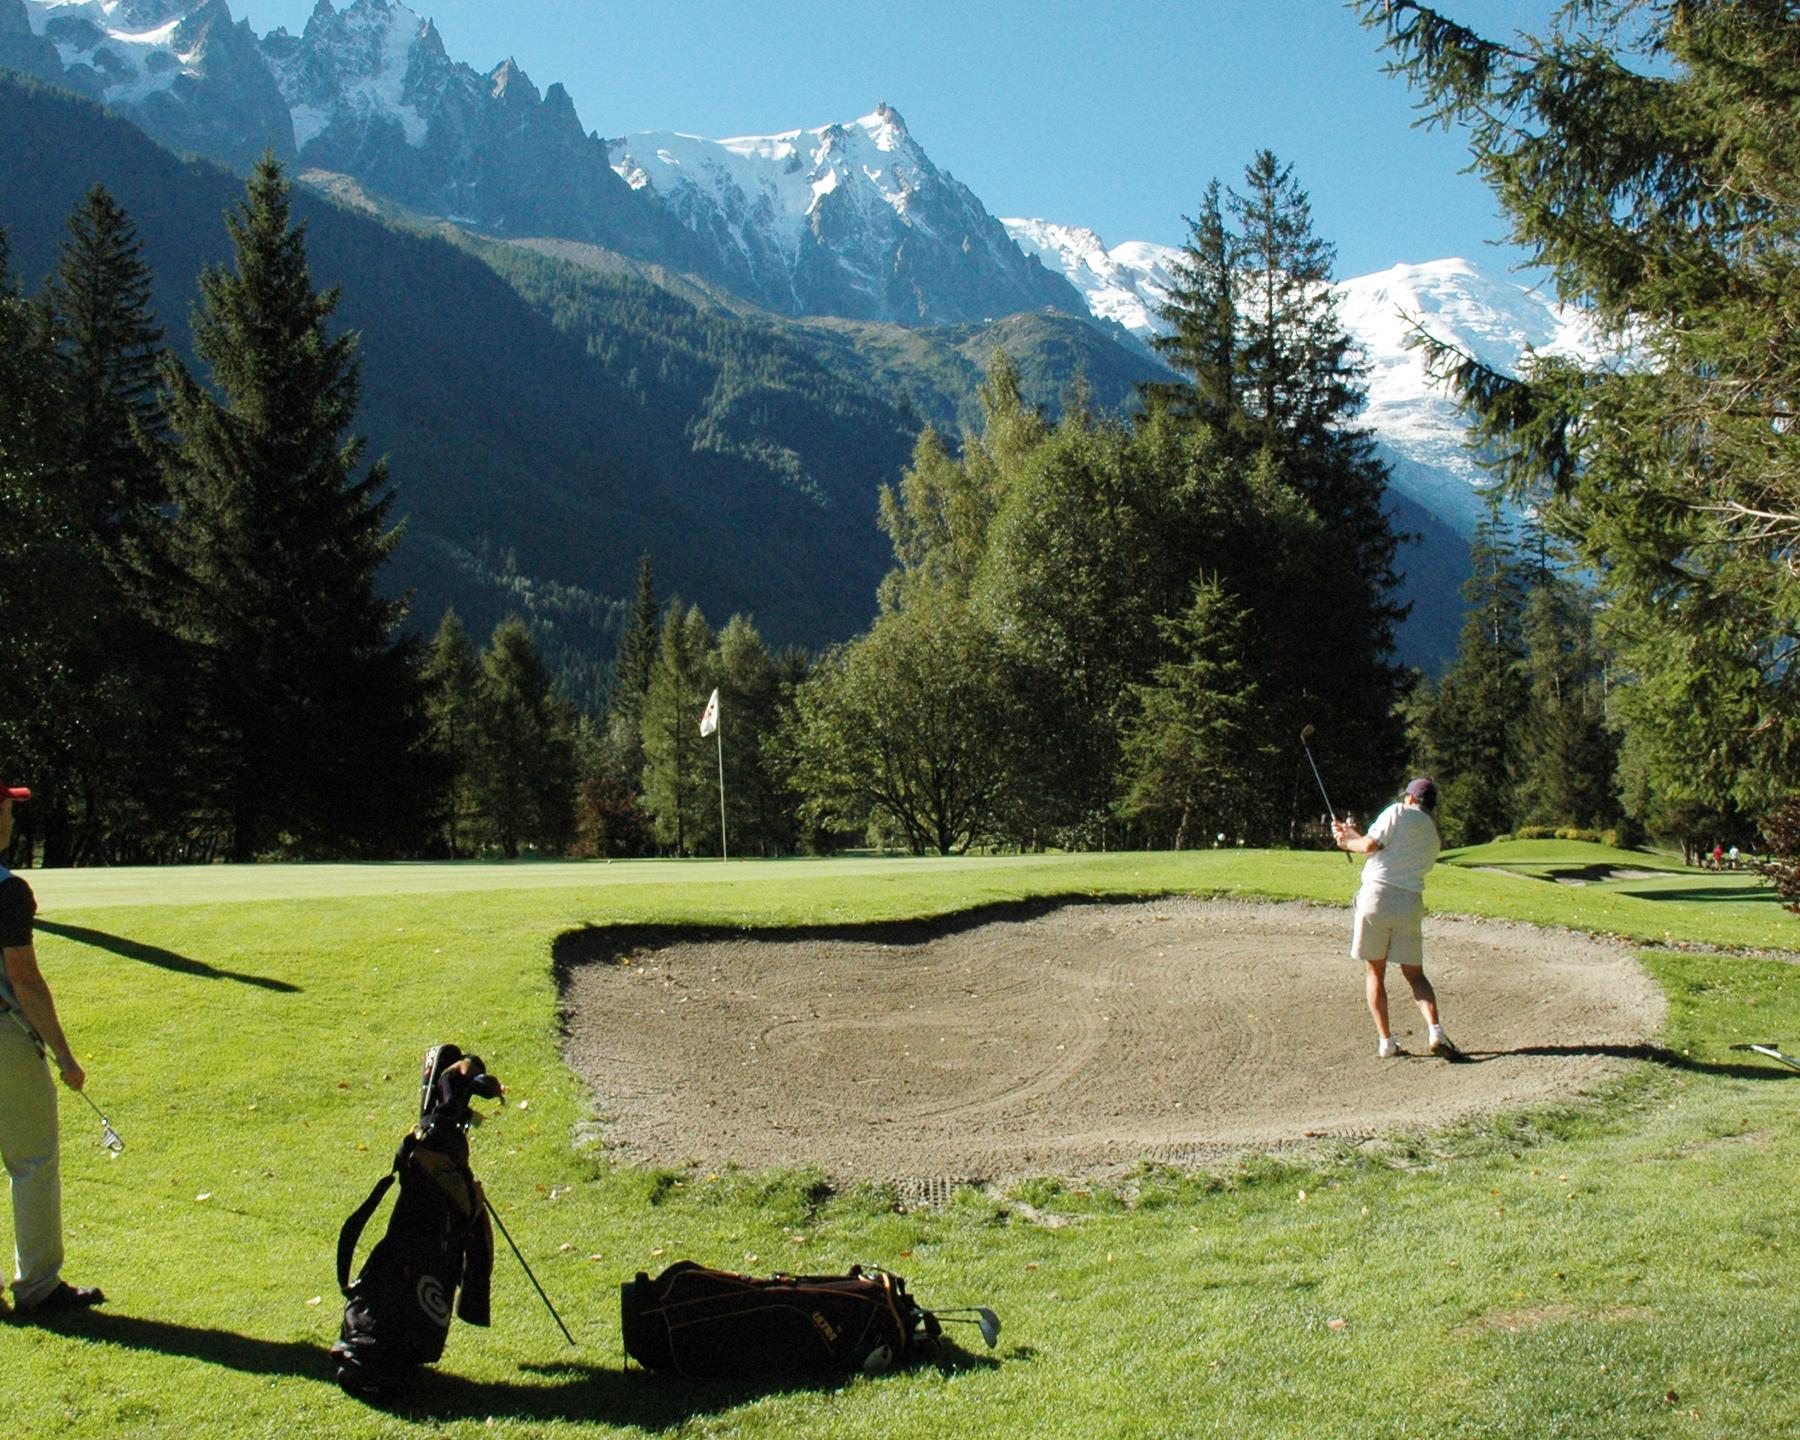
(709, 722)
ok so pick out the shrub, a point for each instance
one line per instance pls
(1781, 833)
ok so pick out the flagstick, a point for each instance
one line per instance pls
(724, 848)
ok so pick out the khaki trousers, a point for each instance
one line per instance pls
(28, 1143)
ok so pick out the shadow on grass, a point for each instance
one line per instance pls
(581, 1392)
(1737, 895)
(610, 944)
(574, 1392)
(1654, 1054)
(155, 955)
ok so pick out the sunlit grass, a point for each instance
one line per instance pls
(1612, 1265)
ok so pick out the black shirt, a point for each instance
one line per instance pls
(17, 906)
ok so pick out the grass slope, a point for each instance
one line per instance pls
(1618, 1265)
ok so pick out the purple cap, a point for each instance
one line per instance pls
(1423, 791)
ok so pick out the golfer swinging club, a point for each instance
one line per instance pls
(1402, 846)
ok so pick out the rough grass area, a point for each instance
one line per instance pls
(1617, 1264)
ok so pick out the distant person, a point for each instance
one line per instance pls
(1718, 857)
(1732, 856)
(29, 1142)
(1402, 846)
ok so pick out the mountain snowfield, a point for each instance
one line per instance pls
(1420, 429)
(848, 219)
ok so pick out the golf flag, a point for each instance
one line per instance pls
(709, 722)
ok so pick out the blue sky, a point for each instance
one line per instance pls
(1112, 114)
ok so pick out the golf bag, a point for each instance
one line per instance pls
(439, 1241)
(706, 1324)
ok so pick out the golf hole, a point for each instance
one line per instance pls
(1067, 1039)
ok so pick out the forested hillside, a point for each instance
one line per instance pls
(533, 468)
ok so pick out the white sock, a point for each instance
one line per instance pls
(1437, 1032)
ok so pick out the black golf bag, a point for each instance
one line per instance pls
(438, 1243)
(705, 1324)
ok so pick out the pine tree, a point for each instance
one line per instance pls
(455, 706)
(525, 777)
(1645, 155)
(312, 732)
(760, 806)
(680, 789)
(107, 350)
(1475, 727)
(1567, 753)
(39, 539)
(1201, 311)
(1196, 747)
(637, 645)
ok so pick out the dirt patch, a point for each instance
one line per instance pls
(1066, 1039)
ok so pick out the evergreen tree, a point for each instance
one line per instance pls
(525, 778)
(1196, 747)
(760, 806)
(39, 541)
(107, 349)
(1273, 378)
(311, 734)
(637, 646)
(1645, 155)
(1475, 727)
(455, 706)
(1567, 753)
(1201, 311)
(680, 786)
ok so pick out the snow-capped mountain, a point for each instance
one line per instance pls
(1419, 427)
(847, 219)
(367, 90)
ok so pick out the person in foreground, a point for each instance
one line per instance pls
(29, 1142)
(1402, 846)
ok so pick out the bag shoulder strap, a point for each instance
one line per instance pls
(353, 1228)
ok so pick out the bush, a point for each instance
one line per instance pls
(1781, 832)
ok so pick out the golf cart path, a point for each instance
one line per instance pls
(1069, 1039)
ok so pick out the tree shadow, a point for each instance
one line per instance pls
(1653, 1054)
(566, 1391)
(155, 955)
(610, 944)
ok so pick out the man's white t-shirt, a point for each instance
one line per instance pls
(1409, 848)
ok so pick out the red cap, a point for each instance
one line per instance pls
(13, 792)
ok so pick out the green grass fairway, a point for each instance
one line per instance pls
(1623, 1264)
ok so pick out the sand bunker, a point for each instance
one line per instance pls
(1066, 1040)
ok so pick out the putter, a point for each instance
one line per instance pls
(109, 1137)
(527, 1269)
(1773, 1053)
(1305, 735)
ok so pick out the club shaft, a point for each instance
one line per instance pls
(526, 1268)
(1321, 782)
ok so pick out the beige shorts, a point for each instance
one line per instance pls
(1389, 926)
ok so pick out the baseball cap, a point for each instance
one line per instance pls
(13, 792)
(1423, 791)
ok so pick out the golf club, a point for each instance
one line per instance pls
(977, 1315)
(1305, 735)
(109, 1137)
(527, 1269)
(1773, 1052)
